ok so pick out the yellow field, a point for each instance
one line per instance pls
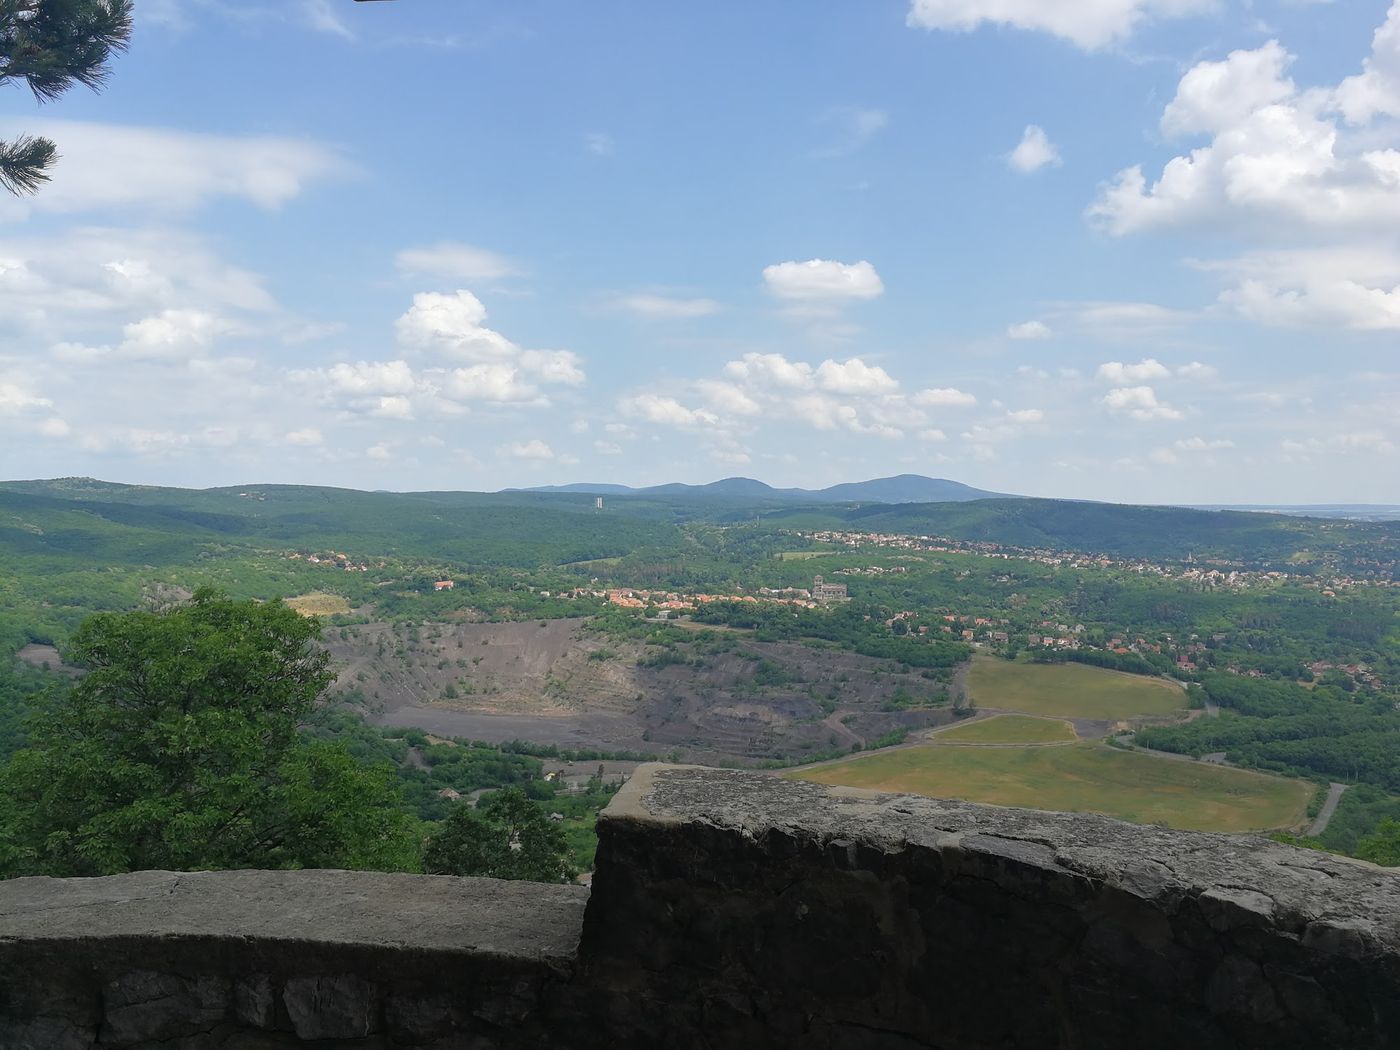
(318, 603)
(1070, 690)
(1008, 729)
(1084, 778)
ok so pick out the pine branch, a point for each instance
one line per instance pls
(24, 164)
(52, 44)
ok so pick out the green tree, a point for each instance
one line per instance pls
(180, 748)
(507, 837)
(1382, 846)
(50, 45)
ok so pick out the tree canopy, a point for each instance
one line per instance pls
(507, 837)
(50, 45)
(180, 749)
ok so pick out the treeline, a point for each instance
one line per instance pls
(1281, 726)
(852, 627)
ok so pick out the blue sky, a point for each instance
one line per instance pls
(1135, 250)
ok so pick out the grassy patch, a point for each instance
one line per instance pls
(1083, 778)
(318, 603)
(802, 555)
(1070, 690)
(1009, 729)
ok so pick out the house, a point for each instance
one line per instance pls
(443, 585)
(828, 592)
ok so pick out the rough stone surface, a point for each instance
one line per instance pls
(249, 960)
(751, 910)
(734, 909)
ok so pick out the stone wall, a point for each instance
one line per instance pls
(734, 909)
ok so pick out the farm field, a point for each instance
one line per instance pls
(1084, 778)
(318, 603)
(1070, 690)
(1009, 729)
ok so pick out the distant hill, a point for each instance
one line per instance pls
(1123, 531)
(903, 488)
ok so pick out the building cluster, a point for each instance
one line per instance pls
(1208, 573)
(331, 559)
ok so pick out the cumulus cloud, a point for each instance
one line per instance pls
(1026, 415)
(945, 396)
(1355, 286)
(854, 377)
(172, 333)
(115, 167)
(454, 261)
(1090, 25)
(452, 324)
(667, 410)
(1033, 152)
(1029, 330)
(1121, 374)
(823, 281)
(1276, 152)
(1140, 403)
(15, 398)
(771, 370)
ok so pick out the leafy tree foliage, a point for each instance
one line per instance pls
(1383, 845)
(180, 749)
(507, 837)
(50, 45)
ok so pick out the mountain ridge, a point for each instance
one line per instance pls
(900, 488)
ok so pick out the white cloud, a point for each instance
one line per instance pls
(1091, 24)
(1355, 286)
(1029, 330)
(1197, 371)
(1375, 91)
(771, 370)
(54, 427)
(305, 436)
(455, 262)
(533, 449)
(112, 167)
(823, 281)
(451, 324)
(658, 409)
(379, 452)
(15, 398)
(366, 377)
(607, 448)
(1200, 444)
(599, 144)
(945, 396)
(1026, 415)
(854, 377)
(1033, 152)
(497, 383)
(553, 366)
(1276, 153)
(666, 307)
(321, 17)
(932, 434)
(1139, 402)
(172, 333)
(727, 398)
(1121, 374)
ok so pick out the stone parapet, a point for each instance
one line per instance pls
(734, 909)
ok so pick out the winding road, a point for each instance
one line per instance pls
(1324, 815)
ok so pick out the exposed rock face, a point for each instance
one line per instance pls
(734, 909)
